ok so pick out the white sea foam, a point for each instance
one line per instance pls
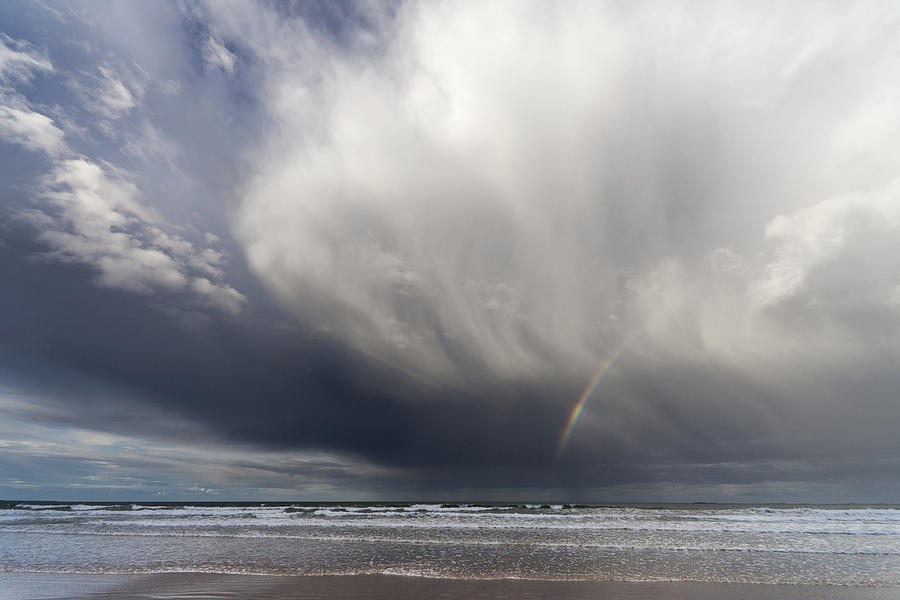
(646, 544)
(326, 518)
(797, 544)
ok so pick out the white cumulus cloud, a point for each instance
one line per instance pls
(96, 217)
(19, 123)
(30, 129)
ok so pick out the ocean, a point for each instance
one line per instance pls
(786, 544)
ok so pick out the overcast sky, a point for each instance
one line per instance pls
(579, 251)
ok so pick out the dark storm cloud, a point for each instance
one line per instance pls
(250, 381)
(101, 361)
(410, 236)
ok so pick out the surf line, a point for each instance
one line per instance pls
(578, 408)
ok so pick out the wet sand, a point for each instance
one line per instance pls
(43, 586)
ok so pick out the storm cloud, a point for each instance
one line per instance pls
(411, 235)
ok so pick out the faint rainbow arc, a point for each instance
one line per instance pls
(578, 408)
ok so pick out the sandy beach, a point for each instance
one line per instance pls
(51, 586)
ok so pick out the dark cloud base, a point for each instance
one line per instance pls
(102, 359)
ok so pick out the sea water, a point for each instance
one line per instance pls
(842, 545)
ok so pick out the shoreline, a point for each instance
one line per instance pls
(74, 586)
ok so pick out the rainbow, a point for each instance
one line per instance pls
(578, 408)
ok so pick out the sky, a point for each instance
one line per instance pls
(580, 251)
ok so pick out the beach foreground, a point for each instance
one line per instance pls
(47, 586)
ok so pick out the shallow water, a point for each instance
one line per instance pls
(849, 545)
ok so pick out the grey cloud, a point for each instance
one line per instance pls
(130, 465)
(108, 93)
(508, 185)
(825, 234)
(151, 144)
(456, 216)
(19, 60)
(217, 56)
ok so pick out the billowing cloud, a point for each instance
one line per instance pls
(98, 219)
(30, 129)
(515, 188)
(19, 124)
(829, 234)
(93, 215)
